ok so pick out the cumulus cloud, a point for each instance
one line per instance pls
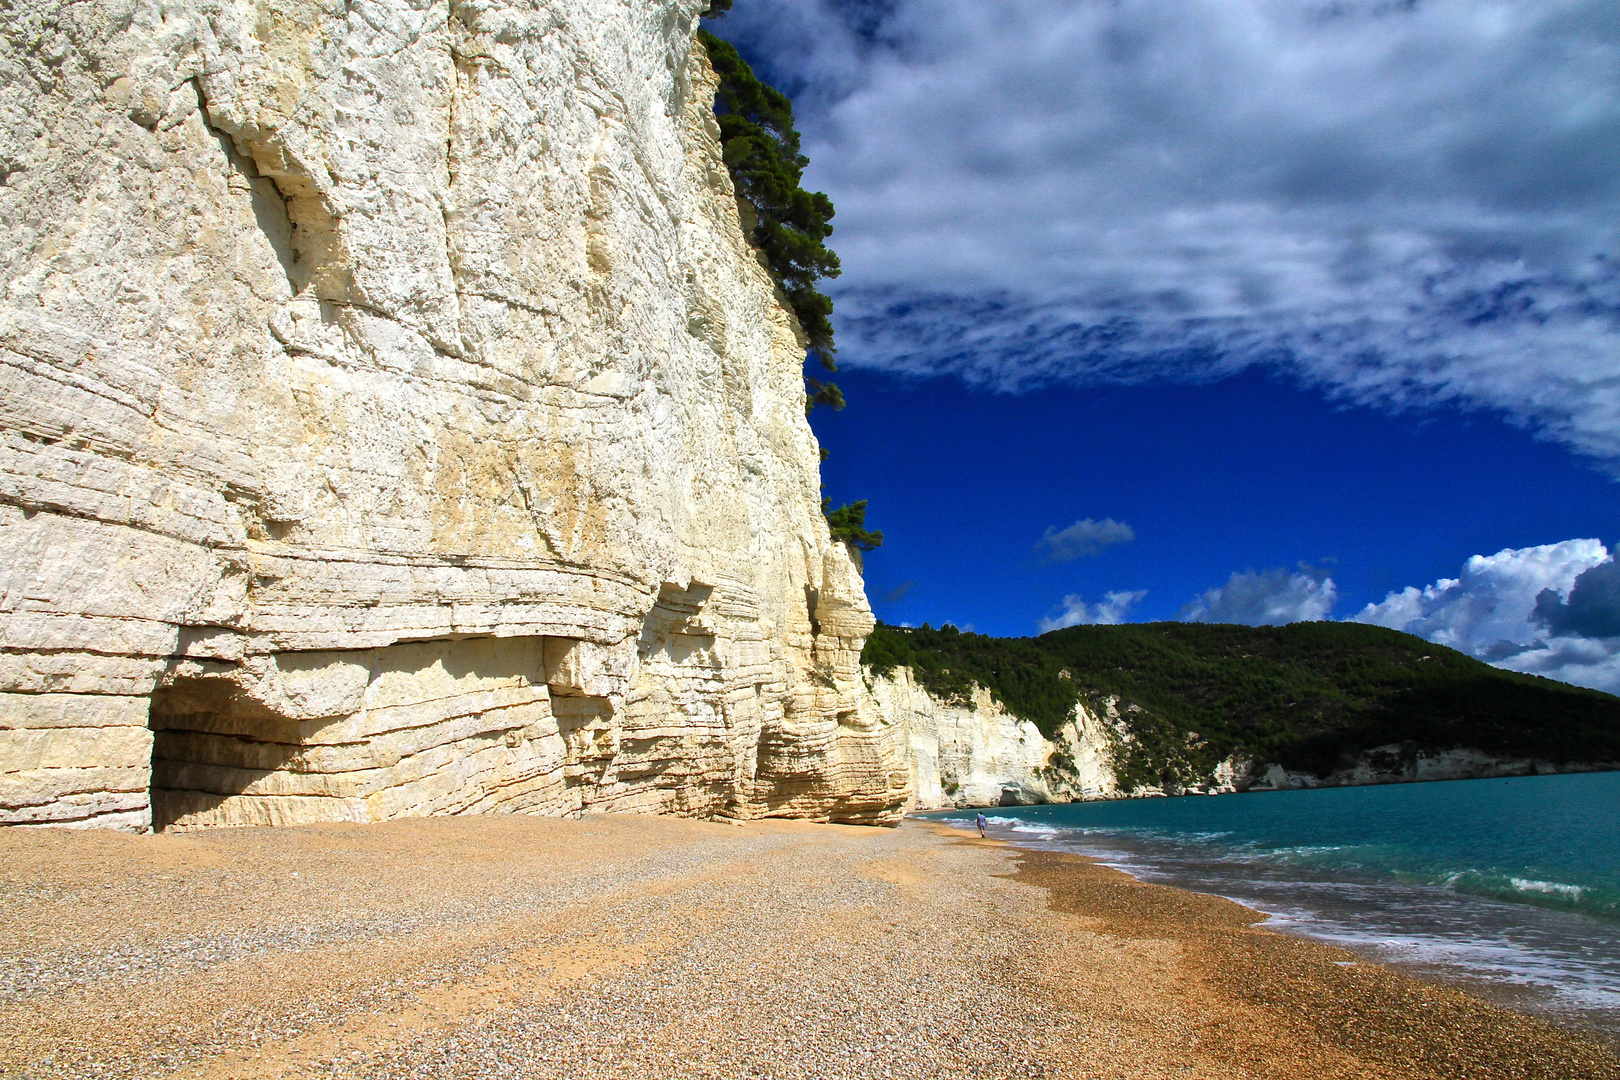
(1551, 610)
(1405, 202)
(1491, 601)
(1267, 598)
(1592, 608)
(1074, 611)
(1082, 539)
(1581, 661)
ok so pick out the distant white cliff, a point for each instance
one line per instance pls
(976, 753)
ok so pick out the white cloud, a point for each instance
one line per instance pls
(1082, 539)
(1551, 610)
(1590, 609)
(1269, 598)
(1581, 661)
(1407, 202)
(1491, 611)
(1076, 612)
(1491, 601)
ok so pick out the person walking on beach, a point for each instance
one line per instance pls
(981, 822)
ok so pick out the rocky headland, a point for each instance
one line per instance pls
(396, 421)
(1101, 712)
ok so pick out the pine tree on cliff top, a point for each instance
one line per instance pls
(848, 523)
(761, 149)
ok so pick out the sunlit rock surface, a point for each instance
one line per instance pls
(976, 753)
(396, 421)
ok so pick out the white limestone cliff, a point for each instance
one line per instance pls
(1405, 763)
(976, 753)
(396, 421)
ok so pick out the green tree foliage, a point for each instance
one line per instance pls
(717, 8)
(822, 393)
(1017, 671)
(1308, 696)
(761, 150)
(848, 523)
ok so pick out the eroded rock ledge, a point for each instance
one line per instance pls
(396, 421)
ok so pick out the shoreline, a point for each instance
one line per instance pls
(1321, 990)
(1492, 934)
(1308, 782)
(612, 946)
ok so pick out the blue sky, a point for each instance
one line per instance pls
(1247, 473)
(1243, 310)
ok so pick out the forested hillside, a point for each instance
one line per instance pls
(1307, 696)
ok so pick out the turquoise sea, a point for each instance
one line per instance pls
(1508, 887)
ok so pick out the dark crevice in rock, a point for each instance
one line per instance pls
(271, 209)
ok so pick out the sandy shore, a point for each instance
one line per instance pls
(637, 947)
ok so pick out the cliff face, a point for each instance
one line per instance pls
(976, 753)
(396, 421)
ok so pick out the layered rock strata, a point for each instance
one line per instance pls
(396, 421)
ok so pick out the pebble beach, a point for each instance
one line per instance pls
(663, 947)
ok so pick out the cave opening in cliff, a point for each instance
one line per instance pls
(209, 746)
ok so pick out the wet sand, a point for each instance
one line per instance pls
(658, 947)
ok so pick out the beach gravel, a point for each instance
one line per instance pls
(659, 947)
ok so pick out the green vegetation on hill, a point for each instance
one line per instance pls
(1307, 696)
(1020, 674)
